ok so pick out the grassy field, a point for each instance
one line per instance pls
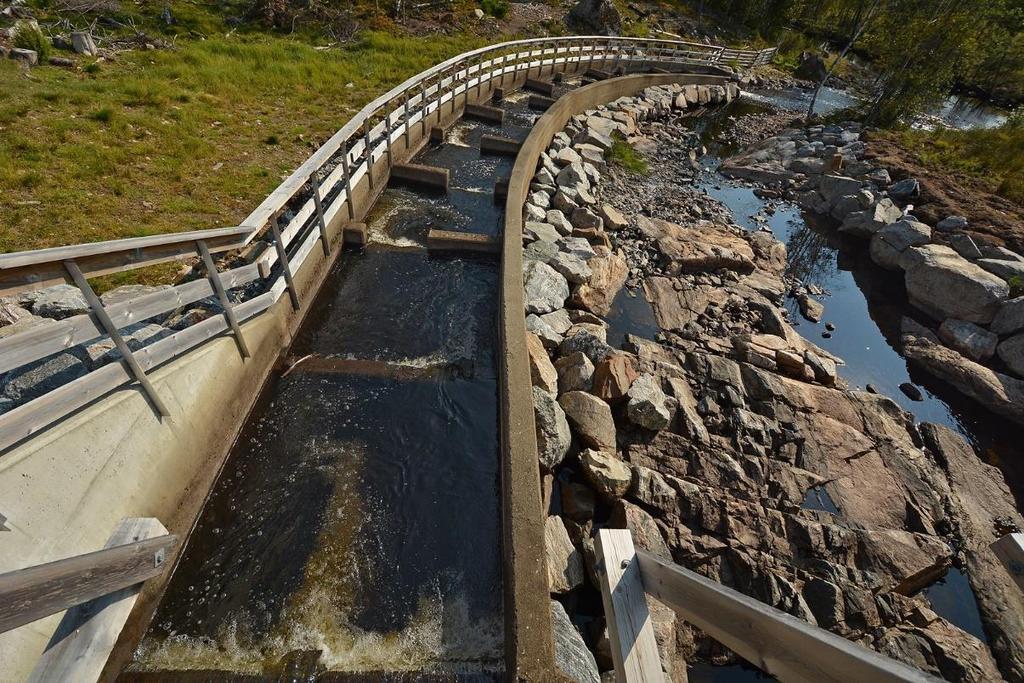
(180, 139)
(994, 155)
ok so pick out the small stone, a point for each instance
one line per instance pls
(571, 267)
(951, 224)
(812, 309)
(59, 301)
(559, 221)
(964, 245)
(613, 218)
(912, 392)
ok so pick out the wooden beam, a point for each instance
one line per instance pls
(36, 592)
(630, 628)
(431, 177)
(546, 88)
(451, 240)
(540, 102)
(786, 647)
(82, 642)
(497, 144)
(111, 329)
(1010, 551)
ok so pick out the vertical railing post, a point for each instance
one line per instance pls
(423, 109)
(405, 97)
(111, 329)
(387, 139)
(347, 176)
(222, 296)
(369, 151)
(314, 182)
(282, 256)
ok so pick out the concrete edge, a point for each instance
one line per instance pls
(529, 637)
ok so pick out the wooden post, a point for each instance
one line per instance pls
(1010, 551)
(423, 110)
(314, 181)
(405, 96)
(387, 140)
(347, 176)
(282, 256)
(630, 628)
(36, 592)
(222, 296)
(126, 353)
(82, 642)
(369, 151)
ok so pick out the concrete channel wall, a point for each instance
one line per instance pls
(527, 612)
(63, 491)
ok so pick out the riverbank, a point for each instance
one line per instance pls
(722, 438)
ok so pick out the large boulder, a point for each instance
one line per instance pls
(811, 67)
(700, 248)
(591, 419)
(1011, 352)
(595, 16)
(648, 406)
(944, 284)
(613, 376)
(608, 273)
(1010, 317)
(1004, 268)
(553, 434)
(572, 656)
(891, 241)
(606, 473)
(575, 373)
(869, 221)
(544, 288)
(59, 301)
(973, 341)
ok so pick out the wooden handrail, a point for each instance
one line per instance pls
(776, 642)
(36, 592)
(360, 142)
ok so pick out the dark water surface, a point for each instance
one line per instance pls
(358, 513)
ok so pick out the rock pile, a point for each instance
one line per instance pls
(973, 291)
(707, 441)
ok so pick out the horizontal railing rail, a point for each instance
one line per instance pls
(772, 640)
(289, 222)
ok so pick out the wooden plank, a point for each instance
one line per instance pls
(82, 642)
(630, 628)
(43, 340)
(1010, 551)
(37, 592)
(127, 356)
(540, 102)
(497, 144)
(451, 240)
(776, 642)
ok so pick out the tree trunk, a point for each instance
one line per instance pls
(853, 39)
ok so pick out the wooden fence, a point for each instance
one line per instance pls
(281, 232)
(776, 642)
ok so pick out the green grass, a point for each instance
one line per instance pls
(994, 155)
(622, 154)
(180, 139)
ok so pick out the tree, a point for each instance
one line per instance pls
(865, 11)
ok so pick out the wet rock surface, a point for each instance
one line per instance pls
(707, 440)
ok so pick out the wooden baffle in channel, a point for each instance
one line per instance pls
(448, 240)
(354, 234)
(429, 177)
(484, 112)
(597, 74)
(498, 94)
(543, 87)
(496, 144)
(501, 189)
(540, 102)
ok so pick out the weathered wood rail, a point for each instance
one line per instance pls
(776, 642)
(354, 163)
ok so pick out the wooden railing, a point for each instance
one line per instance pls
(288, 223)
(97, 589)
(778, 643)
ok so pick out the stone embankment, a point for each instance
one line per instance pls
(708, 440)
(970, 292)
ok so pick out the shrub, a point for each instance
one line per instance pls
(496, 8)
(622, 154)
(102, 115)
(27, 35)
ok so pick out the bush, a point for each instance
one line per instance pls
(622, 154)
(27, 35)
(496, 8)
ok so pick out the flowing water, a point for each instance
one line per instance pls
(356, 525)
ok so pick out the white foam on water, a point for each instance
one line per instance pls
(457, 135)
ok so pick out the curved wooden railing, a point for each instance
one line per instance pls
(278, 236)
